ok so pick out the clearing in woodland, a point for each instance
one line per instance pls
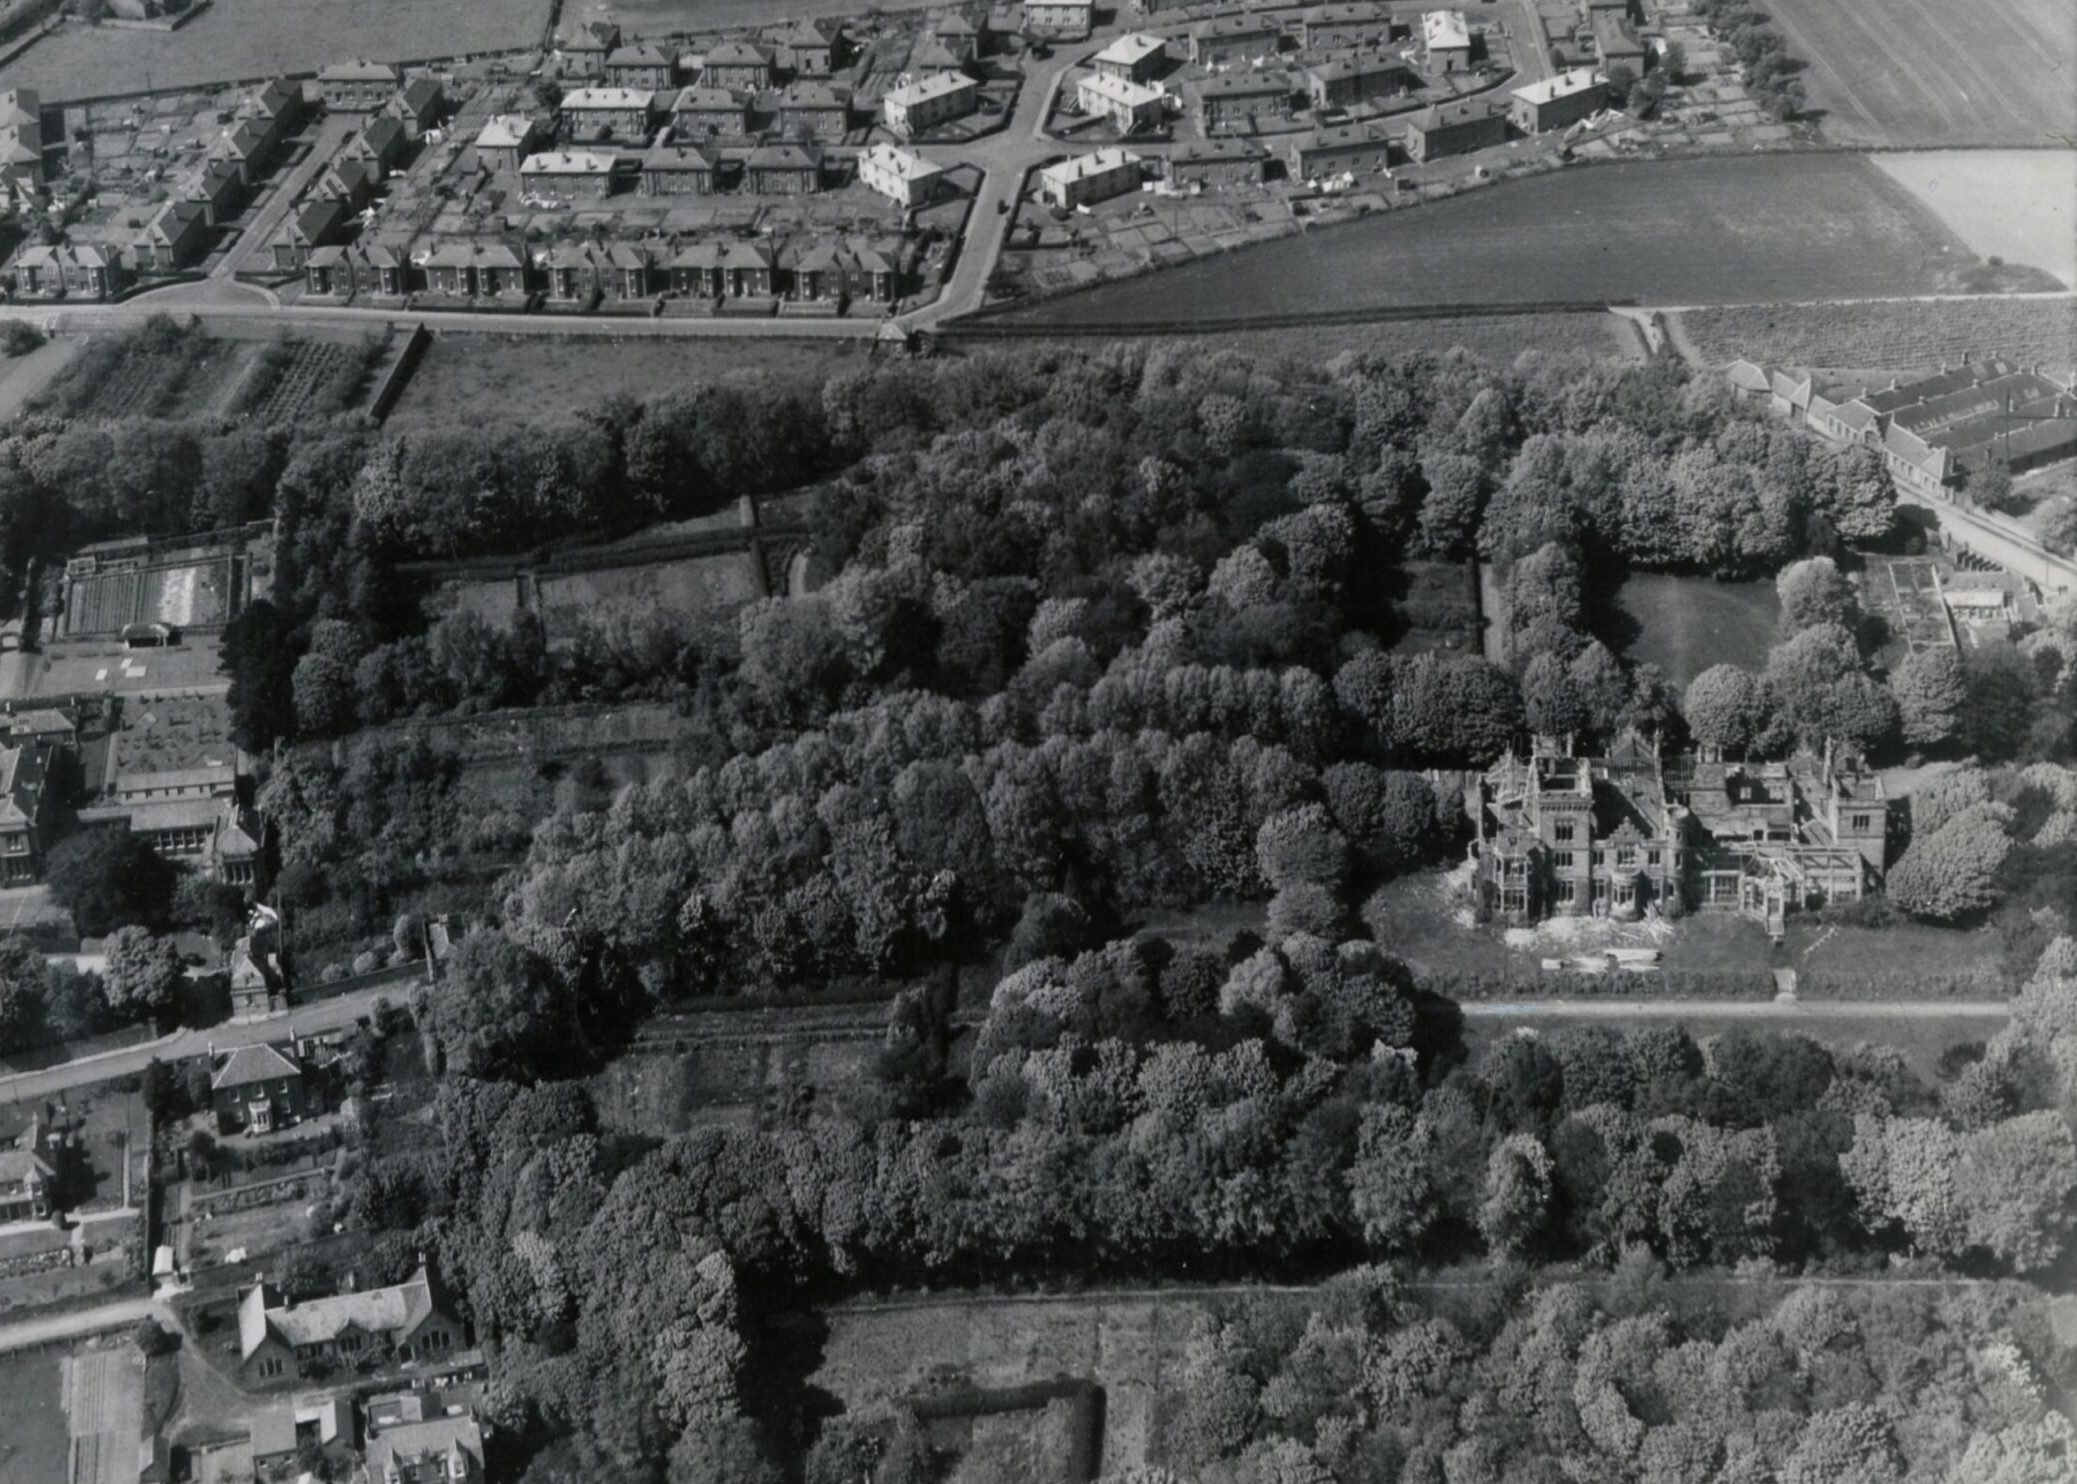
(1936, 72)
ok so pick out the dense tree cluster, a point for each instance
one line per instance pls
(1761, 52)
(1367, 1380)
(1267, 1109)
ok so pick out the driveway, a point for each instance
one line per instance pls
(258, 236)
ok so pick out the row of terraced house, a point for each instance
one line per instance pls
(181, 231)
(498, 271)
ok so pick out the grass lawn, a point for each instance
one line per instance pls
(482, 376)
(1924, 72)
(1684, 625)
(2015, 204)
(1718, 230)
(33, 1437)
(1907, 950)
(238, 39)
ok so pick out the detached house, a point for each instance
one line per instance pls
(1446, 38)
(28, 1175)
(676, 170)
(590, 114)
(783, 170)
(411, 1322)
(1558, 102)
(584, 53)
(25, 810)
(1083, 180)
(505, 139)
(1059, 20)
(319, 222)
(1344, 149)
(259, 1089)
(438, 1450)
(813, 110)
(176, 235)
(1358, 79)
(1218, 162)
(1135, 58)
(710, 113)
(219, 190)
(416, 105)
(1237, 100)
(1127, 104)
(380, 145)
(737, 64)
(901, 175)
(280, 102)
(1455, 129)
(810, 48)
(917, 106)
(1340, 27)
(568, 175)
(1234, 39)
(642, 65)
(358, 87)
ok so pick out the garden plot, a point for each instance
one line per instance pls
(1896, 335)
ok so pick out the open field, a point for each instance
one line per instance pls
(238, 39)
(2015, 204)
(32, 1442)
(180, 375)
(1686, 624)
(1721, 230)
(1936, 71)
(478, 376)
(1900, 336)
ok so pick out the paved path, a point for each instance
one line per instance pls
(23, 1334)
(324, 1015)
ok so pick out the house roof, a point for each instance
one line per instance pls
(1244, 85)
(577, 162)
(1448, 115)
(1130, 51)
(1560, 85)
(382, 132)
(709, 100)
(676, 157)
(1118, 89)
(1231, 27)
(617, 100)
(937, 85)
(21, 108)
(249, 1064)
(639, 54)
(1446, 29)
(1367, 135)
(812, 96)
(905, 164)
(434, 1438)
(273, 1433)
(211, 775)
(1323, 15)
(785, 157)
(18, 1167)
(41, 721)
(505, 131)
(1206, 151)
(1096, 162)
(397, 1309)
(420, 93)
(358, 71)
(1343, 67)
(738, 54)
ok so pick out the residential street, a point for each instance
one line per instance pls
(23, 1334)
(325, 1015)
(257, 237)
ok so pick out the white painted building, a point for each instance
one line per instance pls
(1083, 180)
(1128, 105)
(929, 101)
(901, 175)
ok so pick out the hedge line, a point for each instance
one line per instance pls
(1709, 984)
(1085, 1419)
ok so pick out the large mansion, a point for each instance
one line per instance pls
(1631, 833)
